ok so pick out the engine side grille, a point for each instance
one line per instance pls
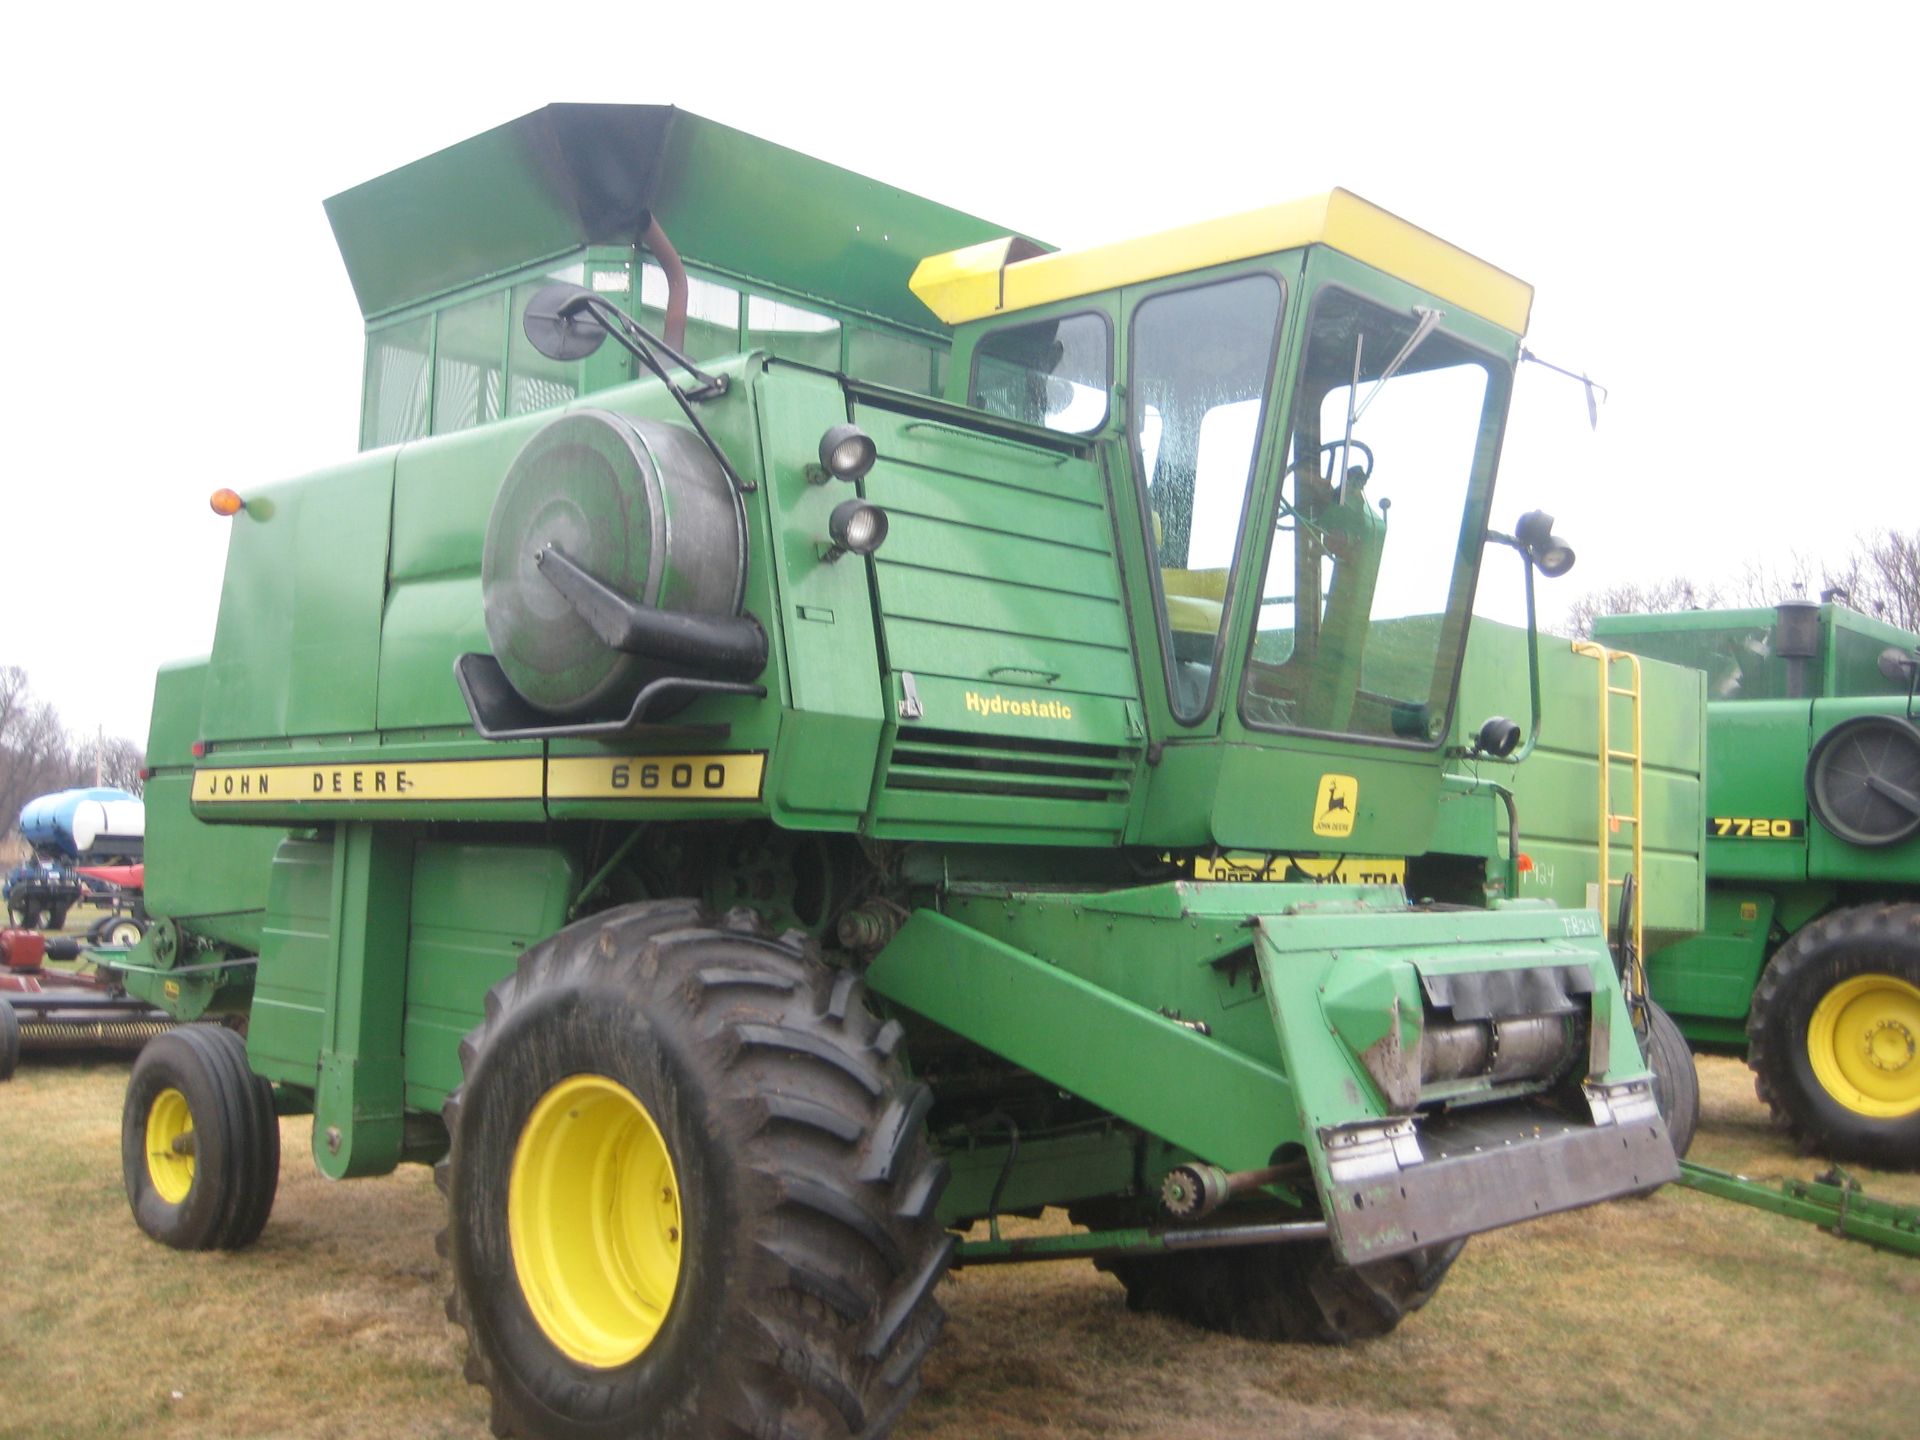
(963, 763)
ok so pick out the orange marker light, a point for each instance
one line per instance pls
(1526, 863)
(226, 502)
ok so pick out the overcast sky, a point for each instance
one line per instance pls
(1712, 203)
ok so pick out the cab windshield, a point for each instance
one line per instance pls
(1374, 545)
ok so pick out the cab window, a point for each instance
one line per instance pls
(1054, 373)
(1201, 362)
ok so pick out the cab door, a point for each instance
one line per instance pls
(1202, 362)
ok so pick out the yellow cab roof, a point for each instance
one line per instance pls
(1003, 275)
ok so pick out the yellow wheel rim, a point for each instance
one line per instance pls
(593, 1214)
(1864, 1042)
(169, 1166)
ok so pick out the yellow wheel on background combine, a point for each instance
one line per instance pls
(170, 1146)
(1834, 1035)
(593, 1214)
(1864, 1044)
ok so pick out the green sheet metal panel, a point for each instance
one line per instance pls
(1711, 975)
(1759, 751)
(1089, 1040)
(568, 176)
(999, 594)
(213, 876)
(1557, 788)
(475, 908)
(1023, 593)
(1274, 794)
(296, 648)
(285, 1027)
(831, 735)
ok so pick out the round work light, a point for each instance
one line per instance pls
(857, 527)
(847, 452)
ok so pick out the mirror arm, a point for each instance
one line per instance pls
(1533, 653)
(637, 340)
(641, 343)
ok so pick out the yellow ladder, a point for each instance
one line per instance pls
(1611, 819)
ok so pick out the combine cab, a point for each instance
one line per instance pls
(745, 775)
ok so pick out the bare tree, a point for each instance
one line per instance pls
(1762, 586)
(1657, 597)
(114, 761)
(1884, 577)
(36, 755)
(39, 756)
(1880, 576)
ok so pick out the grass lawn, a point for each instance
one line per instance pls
(1677, 1315)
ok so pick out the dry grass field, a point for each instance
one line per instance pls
(1677, 1315)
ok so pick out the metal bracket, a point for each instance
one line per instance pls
(1368, 1151)
(910, 706)
(1621, 1104)
(499, 712)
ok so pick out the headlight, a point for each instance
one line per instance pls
(847, 452)
(856, 527)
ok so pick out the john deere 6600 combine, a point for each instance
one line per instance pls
(735, 775)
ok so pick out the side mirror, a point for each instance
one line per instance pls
(560, 322)
(1899, 665)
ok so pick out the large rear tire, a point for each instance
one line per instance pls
(1293, 1292)
(689, 1191)
(1834, 1035)
(199, 1141)
(9, 1041)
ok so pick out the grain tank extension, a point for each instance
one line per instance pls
(734, 774)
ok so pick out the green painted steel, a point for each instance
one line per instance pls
(473, 909)
(568, 176)
(359, 1116)
(1089, 1039)
(1557, 787)
(1834, 1202)
(992, 765)
(1772, 865)
(1289, 1007)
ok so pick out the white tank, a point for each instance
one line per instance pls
(119, 819)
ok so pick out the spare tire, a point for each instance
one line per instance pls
(642, 506)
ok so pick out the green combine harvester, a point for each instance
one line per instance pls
(1810, 955)
(816, 722)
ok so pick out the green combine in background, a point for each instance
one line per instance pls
(1810, 956)
(815, 722)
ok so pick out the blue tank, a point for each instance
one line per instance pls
(46, 823)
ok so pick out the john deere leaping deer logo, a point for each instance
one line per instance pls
(1333, 806)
